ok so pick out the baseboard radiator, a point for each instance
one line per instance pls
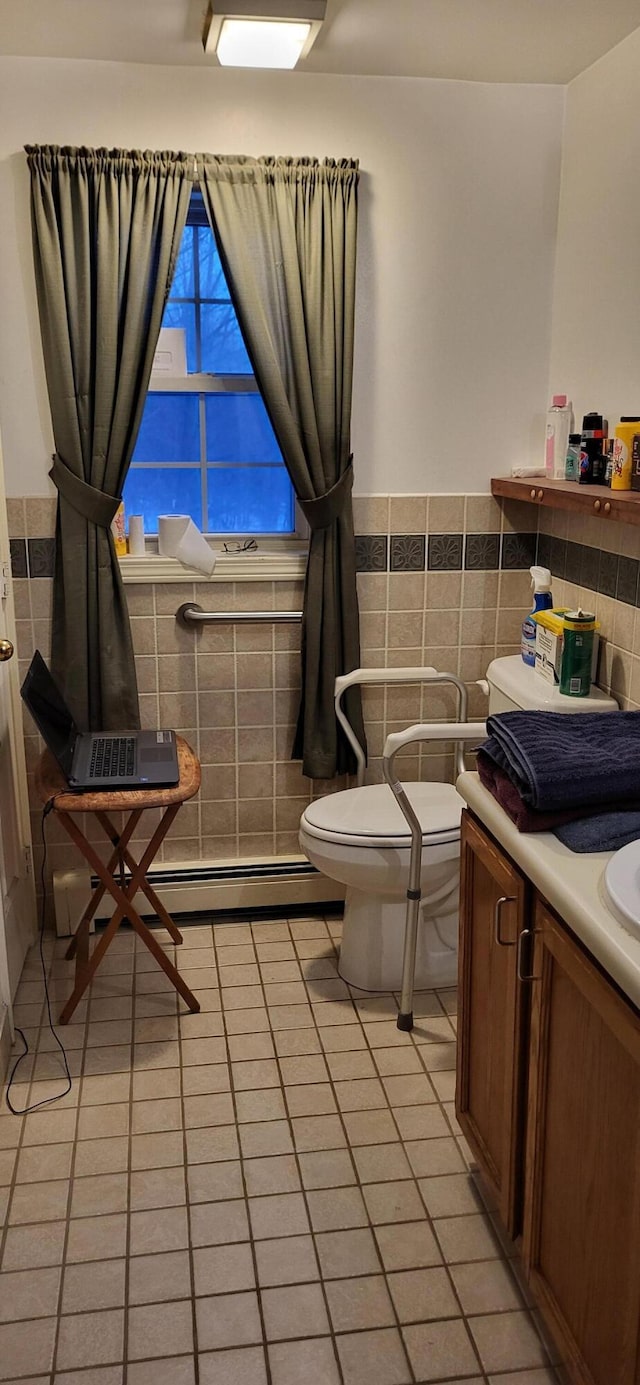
(205, 887)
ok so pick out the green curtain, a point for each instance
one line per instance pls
(286, 231)
(106, 231)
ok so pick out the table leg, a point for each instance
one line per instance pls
(80, 939)
(128, 859)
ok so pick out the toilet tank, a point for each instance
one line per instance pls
(515, 686)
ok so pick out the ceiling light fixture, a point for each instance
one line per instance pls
(262, 33)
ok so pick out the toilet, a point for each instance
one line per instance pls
(360, 838)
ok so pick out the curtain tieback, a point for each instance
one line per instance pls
(95, 506)
(321, 512)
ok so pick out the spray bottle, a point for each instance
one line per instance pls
(542, 600)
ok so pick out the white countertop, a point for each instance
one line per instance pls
(572, 883)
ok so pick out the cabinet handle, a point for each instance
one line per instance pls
(533, 492)
(607, 507)
(540, 495)
(596, 505)
(504, 899)
(522, 976)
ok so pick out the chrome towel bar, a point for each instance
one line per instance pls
(191, 614)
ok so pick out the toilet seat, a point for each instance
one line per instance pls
(369, 817)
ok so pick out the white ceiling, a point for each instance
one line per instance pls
(476, 40)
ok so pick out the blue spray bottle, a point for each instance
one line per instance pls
(542, 601)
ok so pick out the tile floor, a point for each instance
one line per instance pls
(272, 1192)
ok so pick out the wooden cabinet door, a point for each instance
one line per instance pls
(491, 1044)
(582, 1197)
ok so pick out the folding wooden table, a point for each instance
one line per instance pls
(51, 785)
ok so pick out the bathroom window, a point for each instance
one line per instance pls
(205, 446)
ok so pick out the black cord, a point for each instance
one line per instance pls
(47, 1100)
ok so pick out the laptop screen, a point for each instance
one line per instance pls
(50, 712)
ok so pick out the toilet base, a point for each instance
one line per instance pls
(373, 943)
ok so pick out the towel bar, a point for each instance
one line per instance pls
(191, 614)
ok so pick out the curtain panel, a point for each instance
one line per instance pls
(286, 231)
(106, 231)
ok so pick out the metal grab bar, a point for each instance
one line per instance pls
(191, 614)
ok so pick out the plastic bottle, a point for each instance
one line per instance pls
(624, 434)
(559, 426)
(572, 463)
(542, 600)
(593, 461)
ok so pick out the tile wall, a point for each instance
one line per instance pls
(442, 580)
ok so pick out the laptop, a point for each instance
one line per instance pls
(94, 759)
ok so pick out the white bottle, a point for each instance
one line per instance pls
(559, 426)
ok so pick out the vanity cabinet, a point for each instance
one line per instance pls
(548, 1095)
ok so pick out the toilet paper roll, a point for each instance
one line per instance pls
(179, 537)
(136, 535)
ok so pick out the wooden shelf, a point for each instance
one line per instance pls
(599, 501)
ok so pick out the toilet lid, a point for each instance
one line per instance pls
(370, 816)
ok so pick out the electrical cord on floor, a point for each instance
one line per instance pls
(16, 1111)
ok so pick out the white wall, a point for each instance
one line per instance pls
(596, 316)
(457, 237)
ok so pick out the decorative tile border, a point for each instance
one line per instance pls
(407, 552)
(32, 557)
(371, 553)
(610, 574)
(445, 552)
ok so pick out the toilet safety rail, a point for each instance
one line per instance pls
(428, 731)
(191, 614)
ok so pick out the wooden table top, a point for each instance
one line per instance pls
(51, 783)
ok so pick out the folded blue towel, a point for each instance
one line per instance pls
(604, 832)
(560, 762)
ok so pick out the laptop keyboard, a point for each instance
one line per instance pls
(113, 757)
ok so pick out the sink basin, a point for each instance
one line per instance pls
(622, 884)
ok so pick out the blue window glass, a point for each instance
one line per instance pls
(223, 350)
(170, 429)
(212, 281)
(184, 283)
(184, 315)
(250, 500)
(238, 429)
(163, 490)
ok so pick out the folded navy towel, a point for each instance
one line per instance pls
(563, 761)
(604, 832)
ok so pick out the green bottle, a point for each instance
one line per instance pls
(577, 653)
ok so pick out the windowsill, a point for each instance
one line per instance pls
(284, 566)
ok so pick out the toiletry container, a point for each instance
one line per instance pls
(559, 425)
(593, 461)
(623, 437)
(542, 600)
(572, 463)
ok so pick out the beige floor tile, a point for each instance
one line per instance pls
(342, 1038)
(269, 931)
(440, 1349)
(394, 1062)
(209, 1023)
(345, 1253)
(439, 1057)
(336, 1209)
(219, 1223)
(421, 1295)
(235, 956)
(393, 1202)
(311, 1099)
(351, 1065)
(95, 1375)
(318, 1132)
(215, 1182)
(365, 1094)
(159, 1278)
(370, 1127)
(381, 1163)
(94, 1122)
(90, 1339)
(205, 1078)
(385, 1034)
(155, 1330)
(228, 1320)
(29, 1294)
(39, 1202)
(214, 1145)
(308, 928)
(376, 1008)
(284, 1214)
(327, 1168)
(507, 1342)
(223, 1269)
(466, 1238)
(215, 1108)
(373, 1358)
(450, 1196)
(97, 1285)
(246, 1047)
(105, 1235)
(22, 1352)
(444, 1084)
(231, 934)
(280, 951)
(161, 1229)
(109, 1032)
(536, 1377)
(414, 1247)
(41, 1163)
(99, 1193)
(285, 993)
(239, 1366)
(327, 987)
(56, 1127)
(410, 1089)
(355, 1304)
(277, 1174)
(434, 1156)
(264, 1138)
(106, 1060)
(286, 1260)
(33, 1247)
(162, 1055)
(196, 958)
(279, 972)
(157, 1188)
(251, 1074)
(265, 1104)
(153, 1116)
(485, 1287)
(290, 1016)
(296, 1311)
(195, 1051)
(293, 1362)
(296, 1042)
(106, 1089)
(243, 997)
(156, 1151)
